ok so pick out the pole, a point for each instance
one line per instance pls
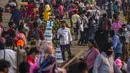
(18, 47)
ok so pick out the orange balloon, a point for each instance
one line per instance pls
(20, 43)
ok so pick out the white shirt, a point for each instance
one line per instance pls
(66, 36)
(105, 64)
(10, 56)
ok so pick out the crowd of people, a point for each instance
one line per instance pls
(94, 23)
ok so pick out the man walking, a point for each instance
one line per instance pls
(105, 62)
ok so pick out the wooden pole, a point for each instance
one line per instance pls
(68, 63)
(18, 48)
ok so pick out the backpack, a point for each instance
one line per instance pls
(35, 34)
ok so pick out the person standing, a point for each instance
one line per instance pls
(117, 46)
(105, 62)
(75, 26)
(85, 26)
(92, 53)
(65, 39)
(104, 23)
(61, 11)
(116, 7)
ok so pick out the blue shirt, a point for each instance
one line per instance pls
(15, 15)
(117, 46)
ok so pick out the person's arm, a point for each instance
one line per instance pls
(116, 69)
(58, 34)
(97, 64)
(115, 42)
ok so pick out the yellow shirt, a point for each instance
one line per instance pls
(75, 18)
(46, 15)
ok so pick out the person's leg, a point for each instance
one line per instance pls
(75, 33)
(82, 37)
(86, 35)
(62, 47)
(68, 50)
(76, 36)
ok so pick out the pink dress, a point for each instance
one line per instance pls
(91, 56)
(117, 25)
(33, 66)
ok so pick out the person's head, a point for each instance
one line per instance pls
(4, 66)
(33, 42)
(83, 13)
(35, 24)
(75, 11)
(9, 41)
(49, 49)
(108, 48)
(115, 16)
(112, 33)
(92, 43)
(11, 25)
(83, 67)
(116, 2)
(63, 24)
(33, 52)
(104, 15)
(124, 27)
(24, 67)
(46, 47)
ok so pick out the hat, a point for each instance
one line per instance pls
(20, 43)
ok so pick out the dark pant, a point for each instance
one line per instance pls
(86, 35)
(90, 70)
(81, 40)
(63, 48)
(76, 33)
